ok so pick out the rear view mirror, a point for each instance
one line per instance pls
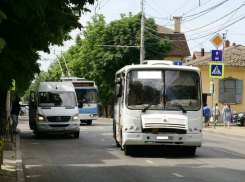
(118, 90)
(118, 80)
(32, 102)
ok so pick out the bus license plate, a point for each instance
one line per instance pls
(162, 137)
(58, 129)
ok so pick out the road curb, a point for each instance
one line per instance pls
(19, 164)
(224, 134)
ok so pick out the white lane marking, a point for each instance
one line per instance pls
(101, 128)
(103, 140)
(33, 176)
(229, 152)
(178, 175)
(220, 135)
(107, 134)
(149, 161)
(31, 166)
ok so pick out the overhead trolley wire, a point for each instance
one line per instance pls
(211, 8)
(215, 20)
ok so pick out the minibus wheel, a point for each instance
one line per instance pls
(89, 122)
(77, 134)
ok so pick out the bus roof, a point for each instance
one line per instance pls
(158, 66)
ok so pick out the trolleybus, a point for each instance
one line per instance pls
(87, 93)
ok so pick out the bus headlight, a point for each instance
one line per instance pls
(75, 117)
(131, 128)
(93, 115)
(41, 117)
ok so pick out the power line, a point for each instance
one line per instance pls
(213, 7)
(215, 20)
(181, 7)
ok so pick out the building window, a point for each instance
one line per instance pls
(230, 90)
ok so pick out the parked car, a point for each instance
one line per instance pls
(238, 118)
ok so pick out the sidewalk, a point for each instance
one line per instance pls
(11, 169)
(232, 131)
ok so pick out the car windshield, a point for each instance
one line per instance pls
(86, 95)
(171, 88)
(57, 99)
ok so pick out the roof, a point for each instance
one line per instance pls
(233, 56)
(56, 86)
(157, 67)
(197, 54)
(179, 43)
(162, 29)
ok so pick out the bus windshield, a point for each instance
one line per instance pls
(86, 95)
(163, 90)
(57, 99)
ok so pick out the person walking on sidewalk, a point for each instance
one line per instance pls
(15, 113)
(206, 114)
(215, 113)
(227, 114)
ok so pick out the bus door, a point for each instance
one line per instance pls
(118, 104)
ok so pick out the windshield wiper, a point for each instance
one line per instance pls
(150, 104)
(176, 103)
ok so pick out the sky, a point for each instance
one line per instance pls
(201, 20)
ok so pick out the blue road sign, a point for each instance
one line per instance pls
(179, 63)
(209, 94)
(216, 55)
(216, 70)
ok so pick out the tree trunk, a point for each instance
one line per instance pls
(3, 121)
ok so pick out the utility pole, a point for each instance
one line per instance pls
(142, 46)
(68, 72)
(62, 74)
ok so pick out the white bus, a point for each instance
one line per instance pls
(87, 97)
(158, 103)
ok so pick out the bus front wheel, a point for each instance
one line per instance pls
(128, 150)
(89, 122)
(190, 151)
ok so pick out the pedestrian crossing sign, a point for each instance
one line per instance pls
(216, 70)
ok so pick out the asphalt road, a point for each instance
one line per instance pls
(95, 157)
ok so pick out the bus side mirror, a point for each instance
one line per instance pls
(32, 102)
(118, 90)
(119, 80)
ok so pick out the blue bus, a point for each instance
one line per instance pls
(87, 98)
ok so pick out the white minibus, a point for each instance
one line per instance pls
(54, 109)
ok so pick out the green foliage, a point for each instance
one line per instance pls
(90, 60)
(32, 26)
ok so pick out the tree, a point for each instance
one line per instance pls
(32, 26)
(89, 59)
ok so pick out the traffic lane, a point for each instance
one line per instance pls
(184, 168)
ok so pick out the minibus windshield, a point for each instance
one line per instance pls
(174, 90)
(57, 99)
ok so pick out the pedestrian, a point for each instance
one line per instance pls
(15, 113)
(216, 113)
(206, 114)
(227, 114)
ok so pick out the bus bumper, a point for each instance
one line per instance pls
(162, 139)
(88, 116)
(71, 127)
